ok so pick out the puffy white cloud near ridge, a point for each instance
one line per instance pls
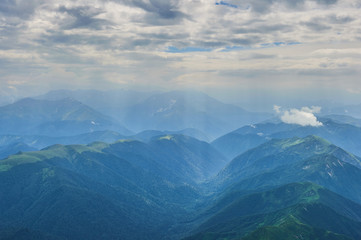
(304, 116)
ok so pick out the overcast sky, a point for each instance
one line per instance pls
(231, 48)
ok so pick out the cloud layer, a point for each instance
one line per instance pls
(304, 116)
(260, 44)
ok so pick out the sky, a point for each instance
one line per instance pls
(260, 52)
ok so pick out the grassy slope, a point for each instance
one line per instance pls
(307, 203)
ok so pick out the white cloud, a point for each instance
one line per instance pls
(313, 109)
(304, 116)
(277, 108)
(252, 46)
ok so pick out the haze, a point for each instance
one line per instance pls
(252, 53)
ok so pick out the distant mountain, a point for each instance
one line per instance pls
(54, 118)
(192, 158)
(350, 110)
(147, 135)
(174, 156)
(341, 134)
(14, 148)
(344, 119)
(281, 152)
(180, 110)
(165, 111)
(325, 170)
(292, 209)
(38, 141)
(111, 103)
(242, 139)
(233, 143)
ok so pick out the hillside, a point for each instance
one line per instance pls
(295, 207)
(188, 109)
(63, 117)
(280, 152)
(91, 190)
(340, 133)
(168, 188)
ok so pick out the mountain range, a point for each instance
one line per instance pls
(248, 198)
(175, 187)
(11, 144)
(79, 191)
(164, 111)
(333, 129)
(189, 167)
(111, 103)
(304, 211)
(54, 118)
(180, 110)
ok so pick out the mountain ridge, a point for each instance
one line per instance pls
(53, 118)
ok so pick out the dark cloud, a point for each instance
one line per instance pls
(316, 26)
(326, 2)
(339, 19)
(246, 41)
(159, 12)
(164, 9)
(211, 44)
(84, 17)
(141, 42)
(59, 37)
(22, 9)
(263, 6)
(295, 4)
(324, 23)
(265, 29)
(263, 56)
(166, 36)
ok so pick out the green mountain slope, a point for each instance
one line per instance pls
(277, 153)
(339, 132)
(233, 144)
(147, 135)
(76, 192)
(130, 189)
(127, 189)
(188, 156)
(325, 170)
(293, 230)
(68, 205)
(13, 148)
(293, 204)
(25, 234)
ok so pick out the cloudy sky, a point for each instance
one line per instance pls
(236, 49)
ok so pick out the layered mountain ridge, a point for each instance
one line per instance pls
(153, 189)
(94, 179)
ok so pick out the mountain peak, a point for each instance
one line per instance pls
(166, 137)
(308, 143)
(317, 139)
(276, 153)
(39, 101)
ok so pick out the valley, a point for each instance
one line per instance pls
(266, 180)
